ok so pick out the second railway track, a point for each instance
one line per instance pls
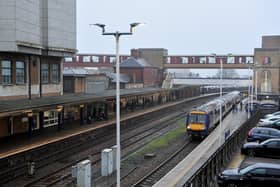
(54, 176)
(157, 173)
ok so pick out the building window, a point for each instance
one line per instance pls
(249, 60)
(45, 73)
(240, 60)
(193, 60)
(185, 60)
(230, 60)
(86, 59)
(50, 118)
(168, 60)
(202, 60)
(266, 60)
(55, 73)
(211, 60)
(95, 59)
(68, 59)
(20, 69)
(77, 58)
(6, 71)
(112, 60)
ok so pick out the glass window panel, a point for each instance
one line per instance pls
(6, 71)
(168, 60)
(202, 60)
(45, 73)
(86, 58)
(197, 118)
(6, 64)
(112, 60)
(20, 69)
(55, 73)
(68, 59)
(230, 60)
(185, 60)
(95, 59)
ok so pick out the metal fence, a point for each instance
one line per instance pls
(206, 175)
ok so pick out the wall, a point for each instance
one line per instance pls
(59, 22)
(79, 85)
(30, 25)
(51, 89)
(4, 127)
(155, 56)
(150, 76)
(21, 91)
(136, 74)
(96, 83)
(271, 42)
(19, 21)
(273, 66)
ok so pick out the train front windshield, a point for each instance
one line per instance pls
(197, 118)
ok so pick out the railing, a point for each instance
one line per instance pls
(206, 175)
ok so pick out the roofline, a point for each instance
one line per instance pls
(99, 54)
(209, 55)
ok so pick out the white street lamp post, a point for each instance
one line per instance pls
(252, 91)
(221, 94)
(256, 82)
(117, 35)
(248, 103)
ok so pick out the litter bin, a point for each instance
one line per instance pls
(31, 168)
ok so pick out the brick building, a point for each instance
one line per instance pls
(267, 65)
(140, 71)
(35, 36)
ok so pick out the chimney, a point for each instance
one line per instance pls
(134, 53)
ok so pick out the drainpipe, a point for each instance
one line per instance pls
(40, 77)
(29, 77)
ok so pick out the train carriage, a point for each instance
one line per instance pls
(202, 120)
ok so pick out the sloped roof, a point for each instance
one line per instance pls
(135, 63)
(124, 78)
(79, 72)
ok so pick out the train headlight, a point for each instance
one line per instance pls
(188, 127)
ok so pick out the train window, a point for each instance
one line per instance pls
(197, 118)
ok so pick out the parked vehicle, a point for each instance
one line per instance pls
(268, 148)
(262, 133)
(275, 125)
(266, 121)
(269, 107)
(256, 175)
(273, 114)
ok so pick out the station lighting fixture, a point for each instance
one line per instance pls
(59, 108)
(117, 35)
(29, 114)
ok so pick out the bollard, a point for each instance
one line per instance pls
(74, 171)
(114, 150)
(106, 162)
(84, 174)
(31, 168)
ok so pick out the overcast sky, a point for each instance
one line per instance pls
(181, 26)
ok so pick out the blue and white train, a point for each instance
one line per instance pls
(202, 120)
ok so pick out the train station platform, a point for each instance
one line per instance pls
(20, 106)
(185, 170)
(22, 143)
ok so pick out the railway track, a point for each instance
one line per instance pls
(62, 171)
(63, 174)
(156, 174)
